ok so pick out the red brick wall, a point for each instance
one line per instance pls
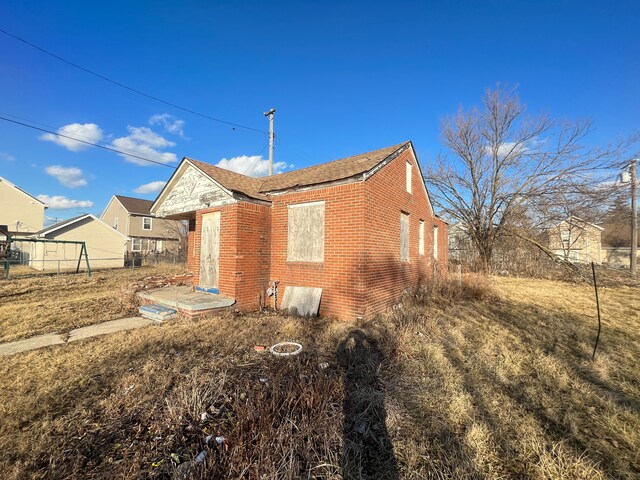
(340, 275)
(386, 276)
(253, 254)
(192, 261)
(361, 274)
(244, 251)
(228, 243)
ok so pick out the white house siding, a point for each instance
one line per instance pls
(192, 191)
(18, 210)
(105, 247)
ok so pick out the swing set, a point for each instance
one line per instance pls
(6, 252)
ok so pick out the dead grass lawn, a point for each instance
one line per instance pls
(40, 303)
(501, 387)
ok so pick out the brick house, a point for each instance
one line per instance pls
(361, 228)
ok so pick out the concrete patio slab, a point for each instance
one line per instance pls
(31, 344)
(184, 298)
(109, 327)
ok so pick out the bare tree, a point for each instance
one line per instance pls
(502, 161)
(180, 231)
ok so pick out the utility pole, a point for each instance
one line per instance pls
(270, 115)
(633, 170)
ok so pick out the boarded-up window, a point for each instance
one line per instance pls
(408, 177)
(305, 242)
(435, 242)
(421, 239)
(404, 237)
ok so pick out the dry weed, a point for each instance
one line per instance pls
(59, 303)
(455, 385)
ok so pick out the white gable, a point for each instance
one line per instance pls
(191, 191)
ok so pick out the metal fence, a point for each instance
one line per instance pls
(136, 259)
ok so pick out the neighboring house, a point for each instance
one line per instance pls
(576, 240)
(149, 234)
(105, 246)
(460, 246)
(20, 211)
(616, 241)
(362, 229)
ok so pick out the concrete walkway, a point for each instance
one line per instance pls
(49, 339)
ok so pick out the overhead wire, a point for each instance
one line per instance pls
(33, 125)
(255, 159)
(97, 145)
(127, 87)
(132, 89)
(44, 125)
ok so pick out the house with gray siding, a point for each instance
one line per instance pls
(147, 232)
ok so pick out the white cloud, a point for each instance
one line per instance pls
(89, 132)
(146, 143)
(152, 187)
(58, 202)
(508, 148)
(7, 157)
(68, 176)
(253, 166)
(170, 123)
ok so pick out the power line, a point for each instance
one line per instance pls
(44, 125)
(254, 160)
(122, 85)
(104, 147)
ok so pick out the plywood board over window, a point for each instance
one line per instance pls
(404, 237)
(305, 242)
(435, 242)
(210, 251)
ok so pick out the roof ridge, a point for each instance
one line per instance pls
(331, 163)
(338, 169)
(364, 155)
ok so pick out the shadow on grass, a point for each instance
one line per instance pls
(367, 448)
(564, 415)
(570, 338)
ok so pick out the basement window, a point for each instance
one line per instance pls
(404, 237)
(305, 240)
(408, 176)
(146, 223)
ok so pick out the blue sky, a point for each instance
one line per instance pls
(345, 77)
